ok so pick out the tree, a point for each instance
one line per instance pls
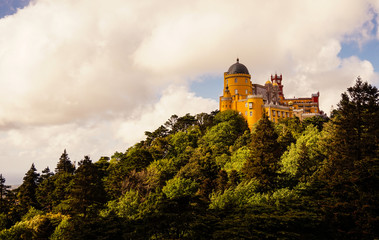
(160, 132)
(263, 163)
(351, 173)
(87, 189)
(304, 157)
(64, 164)
(27, 191)
(45, 189)
(180, 187)
(46, 173)
(204, 121)
(317, 121)
(228, 128)
(3, 193)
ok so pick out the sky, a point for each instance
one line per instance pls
(91, 76)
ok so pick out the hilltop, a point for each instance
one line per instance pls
(209, 176)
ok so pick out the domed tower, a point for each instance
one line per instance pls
(237, 78)
(237, 85)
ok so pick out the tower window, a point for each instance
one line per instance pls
(245, 80)
(250, 105)
(246, 91)
(235, 80)
(235, 91)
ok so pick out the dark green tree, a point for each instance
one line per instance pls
(27, 191)
(160, 132)
(4, 189)
(351, 173)
(263, 163)
(317, 121)
(45, 189)
(137, 157)
(64, 164)
(204, 121)
(60, 191)
(87, 192)
(46, 173)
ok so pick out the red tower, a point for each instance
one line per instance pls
(278, 80)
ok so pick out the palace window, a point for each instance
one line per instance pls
(250, 105)
(251, 113)
(235, 91)
(273, 112)
(246, 113)
(245, 104)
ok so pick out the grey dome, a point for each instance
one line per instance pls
(238, 68)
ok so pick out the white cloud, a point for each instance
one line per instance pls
(91, 75)
(175, 100)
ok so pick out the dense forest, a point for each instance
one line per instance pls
(209, 177)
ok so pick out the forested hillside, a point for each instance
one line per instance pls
(208, 177)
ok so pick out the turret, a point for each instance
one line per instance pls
(278, 80)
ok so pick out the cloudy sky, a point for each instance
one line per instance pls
(91, 76)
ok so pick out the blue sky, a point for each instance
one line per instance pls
(91, 76)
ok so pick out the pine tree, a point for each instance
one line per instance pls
(45, 189)
(27, 191)
(87, 188)
(352, 171)
(64, 164)
(263, 163)
(3, 188)
(46, 173)
(3, 193)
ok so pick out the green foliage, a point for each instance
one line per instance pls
(64, 164)
(303, 159)
(316, 121)
(351, 172)
(137, 158)
(27, 191)
(125, 207)
(181, 140)
(238, 160)
(87, 190)
(234, 197)
(208, 177)
(40, 226)
(3, 221)
(229, 127)
(263, 163)
(180, 187)
(4, 190)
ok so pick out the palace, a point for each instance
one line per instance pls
(252, 100)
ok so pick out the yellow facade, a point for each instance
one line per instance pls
(252, 100)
